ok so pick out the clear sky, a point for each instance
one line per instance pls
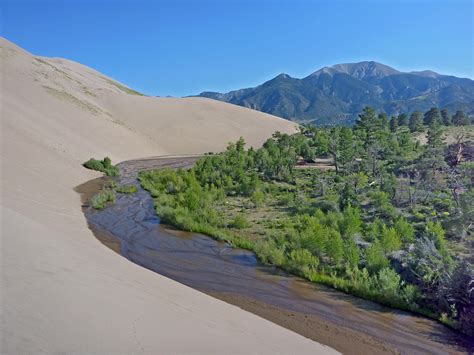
(181, 48)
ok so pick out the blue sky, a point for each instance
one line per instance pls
(181, 48)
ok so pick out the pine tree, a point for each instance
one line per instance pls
(433, 157)
(460, 119)
(383, 118)
(402, 119)
(367, 125)
(416, 121)
(446, 117)
(393, 124)
(432, 116)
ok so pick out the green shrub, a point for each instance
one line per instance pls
(268, 252)
(351, 253)
(104, 166)
(405, 230)
(258, 197)
(390, 240)
(375, 258)
(334, 246)
(302, 262)
(435, 232)
(100, 200)
(240, 222)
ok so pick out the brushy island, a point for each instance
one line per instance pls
(106, 196)
(389, 219)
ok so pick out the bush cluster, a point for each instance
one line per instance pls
(104, 166)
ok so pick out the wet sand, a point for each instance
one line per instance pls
(345, 323)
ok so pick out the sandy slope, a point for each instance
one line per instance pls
(63, 291)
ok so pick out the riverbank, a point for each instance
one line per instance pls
(341, 321)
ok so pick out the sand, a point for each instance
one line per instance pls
(62, 291)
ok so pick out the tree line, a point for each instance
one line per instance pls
(391, 222)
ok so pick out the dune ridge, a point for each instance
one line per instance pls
(63, 291)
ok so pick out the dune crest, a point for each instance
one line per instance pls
(63, 291)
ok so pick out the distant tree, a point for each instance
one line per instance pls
(446, 117)
(367, 126)
(433, 157)
(460, 119)
(383, 118)
(402, 119)
(416, 121)
(341, 146)
(346, 145)
(432, 116)
(393, 124)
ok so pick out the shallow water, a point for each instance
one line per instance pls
(132, 228)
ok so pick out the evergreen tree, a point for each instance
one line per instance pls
(432, 116)
(346, 146)
(446, 117)
(367, 126)
(393, 124)
(416, 121)
(402, 119)
(433, 157)
(460, 119)
(383, 118)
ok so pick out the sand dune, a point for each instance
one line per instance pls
(61, 290)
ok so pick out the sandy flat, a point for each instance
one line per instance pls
(62, 291)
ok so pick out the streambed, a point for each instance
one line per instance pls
(344, 322)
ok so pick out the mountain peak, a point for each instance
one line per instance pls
(359, 70)
(282, 76)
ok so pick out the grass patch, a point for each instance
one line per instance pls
(126, 189)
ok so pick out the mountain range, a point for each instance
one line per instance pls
(336, 94)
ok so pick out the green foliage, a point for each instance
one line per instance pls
(405, 230)
(258, 197)
(446, 117)
(383, 206)
(432, 117)
(460, 119)
(104, 166)
(375, 258)
(268, 252)
(334, 246)
(435, 232)
(102, 199)
(376, 209)
(351, 253)
(302, 262)
(126, 189)
(240, 222)
(390, 239)
(416, 122)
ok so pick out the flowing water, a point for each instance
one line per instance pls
(341, 321)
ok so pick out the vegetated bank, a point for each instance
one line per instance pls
(106, 195)
(391, 223)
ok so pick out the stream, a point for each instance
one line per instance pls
(346, 323)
